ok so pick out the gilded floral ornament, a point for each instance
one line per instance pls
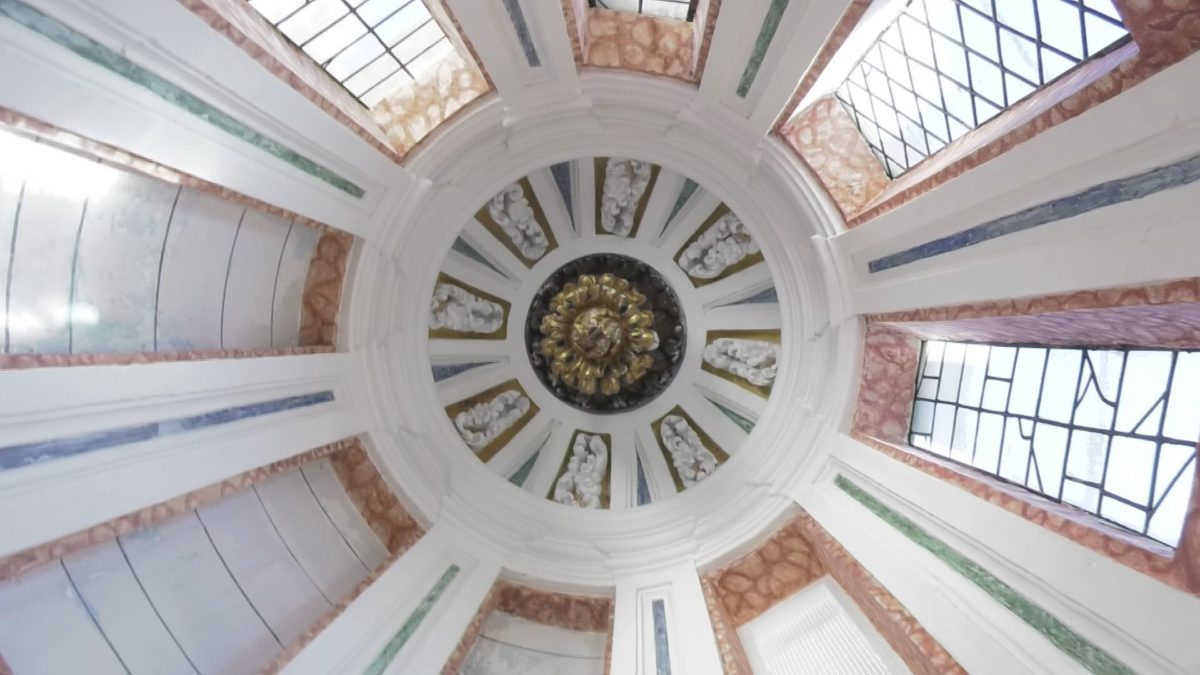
(599, 334)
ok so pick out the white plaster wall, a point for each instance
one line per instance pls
(221, 589)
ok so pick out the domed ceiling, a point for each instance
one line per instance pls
(604, 333)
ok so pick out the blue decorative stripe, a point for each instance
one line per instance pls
(26, 454)
(760, 298)
(102, 56)
(562, 178)
(1099, 196)
(441, 372)
(643, 488)
(517, 16)
(662, 654)
(411, 624)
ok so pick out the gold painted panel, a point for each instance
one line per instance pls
(606, 489)
(600, 164)
(770, 335)
(487, 452)
(499, 334)
(705, 440)
(485, 218)
(744, 263)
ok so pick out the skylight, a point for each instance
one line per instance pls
(668, 9)
(947, 66)
(371, 47)
(1111, 431)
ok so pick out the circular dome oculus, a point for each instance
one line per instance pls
(605, 333)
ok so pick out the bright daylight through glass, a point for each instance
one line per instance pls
(372, 47)
(947, 66)
(1112, 432)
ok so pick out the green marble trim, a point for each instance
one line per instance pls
(461, 246)
(766, 33)
(101, 55)
(689, 188)
(745, 424)
(1088, 655)
(393, 647)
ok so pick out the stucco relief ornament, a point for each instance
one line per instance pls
(458, 309)
(692, 460)
(483, 422)
(625, 181)
(599, 334)
(755, 361)
(583, 482)
(725, 244)
(512, 212)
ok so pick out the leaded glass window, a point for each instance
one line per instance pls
(371, 47)
(684, 10)
(1111, 431)
(947, 66)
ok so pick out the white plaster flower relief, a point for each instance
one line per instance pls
(692, 460)
(755, 361)
(625, 181)
(483, 422)
(513, 213)
(458, 309)
(582, 483)
(724, 244)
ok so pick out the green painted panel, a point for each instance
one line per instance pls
(393, 647)
(101, 55)
(766, 33)
(460, 245)
(745, 424)
(1091, 657)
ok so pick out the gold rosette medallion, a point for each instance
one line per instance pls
(599, 333)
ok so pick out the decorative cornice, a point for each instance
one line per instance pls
(768, 189)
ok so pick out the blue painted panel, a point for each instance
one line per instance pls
(443, 372)
(662, 655)
(562, 178)
(1096, 197)
(517, 16)
(643, 488)
(25, 454)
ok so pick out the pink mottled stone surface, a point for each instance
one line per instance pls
(589, 613)
(920, 651)
(643, 43)
(247, 29)
(321, 303)
(729, 646)
(17, 563)
(370, 494)
(414, 111)
(772, 572)
(705, 20)
(37, 360)
(845, 25)
(887, 383)
(1159, 315)
(831, 145)
(575, 13)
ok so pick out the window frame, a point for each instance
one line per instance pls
(1159, 439)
